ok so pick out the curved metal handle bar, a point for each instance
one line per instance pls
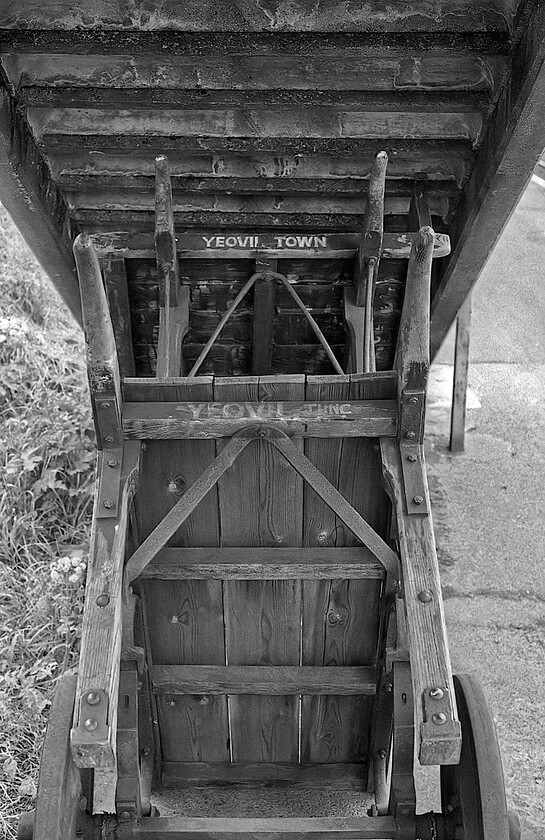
(266, 275)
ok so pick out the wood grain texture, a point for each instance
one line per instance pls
(101, 631)
(292, 828)
(278, 680)
(258, 774)
(264, 564)
(261, 505)
(115, 280)
(459, 389)
(430, 660)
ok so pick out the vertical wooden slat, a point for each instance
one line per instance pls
(261, 505)
(115, 279)
(263, 323)
(339, 617)
(185, 618)
(459, 388)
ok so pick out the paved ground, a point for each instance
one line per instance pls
(489, 503)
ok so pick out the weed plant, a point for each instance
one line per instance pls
(47, 457)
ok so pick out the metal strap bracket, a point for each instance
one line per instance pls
(414, 478)
(440, 728)
(109, 484)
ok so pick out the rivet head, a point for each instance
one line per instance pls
(113, 462)
(104, 405)
(439, 718)
(412, 458)
(425, 596)
(436, 693)
(103, 600)
(108, 439)
(382, 754)
(418, 500)
(410, 435)
(413, 400)
(90, 724)
(92, 698)
(124, 815)
(108, 504)
(262, 433)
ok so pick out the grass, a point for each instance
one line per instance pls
(47, 457)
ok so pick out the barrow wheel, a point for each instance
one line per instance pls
(473, 791)
(60, 803)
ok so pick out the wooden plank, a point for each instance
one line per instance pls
(257, 122)
(263, 617)
(34, 202)
(461, 365)
(378, 71)
(263, 563)
(512, 144)
(102, 363)
(263, 319)
(215, 420)
(185, 625)
(323, 245)
(278, 680)
(95, 745)
(359, 44)
(294, 828)
(173, 301)
(115, 280)
(256, 774)
(430, 660)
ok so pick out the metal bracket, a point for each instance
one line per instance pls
(440, 726)
(109, 484)
(92, 725)
(412, 410)
(414, 480)
(108, 420)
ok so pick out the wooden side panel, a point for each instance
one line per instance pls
(184, 618)
(261, 505)
(340, 617)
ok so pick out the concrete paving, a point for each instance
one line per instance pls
(489, 503)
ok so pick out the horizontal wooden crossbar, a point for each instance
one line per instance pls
(294, 828)
(263, 679)
(265, 564)
(256, 774)
(183, 420)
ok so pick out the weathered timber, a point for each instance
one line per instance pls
(173, 301)
(34, 202)
(412, 353)
(430, 660)
(102, 362)
(459, 385)
(273, 680)
(143, 42)
(403, 793)
(263, 318)
(94, 744)
(334, 776)
(419, 212)
(115, 280)
(253, 244)
(513, 141)
(213, 420)
(355, 321)
(264, 564)
(291, 828)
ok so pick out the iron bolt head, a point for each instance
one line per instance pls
(104, 405)
(410, 435)
(146, 751)
(113, 462)
(382, 753)
(108, 439)
(108, 504)
(262, 433)
(90, 724)
(425, 596)
(413, 400)
(436, 693)
(103, 600)
(92, 698)
(124, 815)
(418, 500)
(439, 718)
(412, 458)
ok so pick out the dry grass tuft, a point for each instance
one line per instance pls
(47, 459)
